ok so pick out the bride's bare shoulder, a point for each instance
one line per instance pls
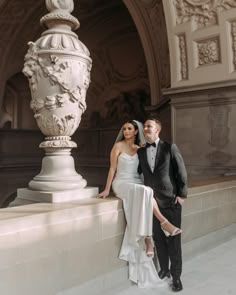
(118, 147)
(119, 144)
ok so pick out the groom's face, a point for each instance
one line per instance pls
(151, 130)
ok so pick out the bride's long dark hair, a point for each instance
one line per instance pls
(136, 139)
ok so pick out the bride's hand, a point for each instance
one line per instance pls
(103, 194)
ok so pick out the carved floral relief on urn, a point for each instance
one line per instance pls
(58, 68)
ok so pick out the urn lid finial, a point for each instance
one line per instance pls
(59, 12)
(67, 5)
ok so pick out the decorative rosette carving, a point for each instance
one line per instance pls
(208, 51)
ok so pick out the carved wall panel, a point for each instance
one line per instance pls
(233, 33)
(183, 57)
(209, 32)
(208, 51)
(202, 12)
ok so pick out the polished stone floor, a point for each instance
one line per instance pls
(210, 273)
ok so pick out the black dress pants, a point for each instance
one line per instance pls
(169, 248)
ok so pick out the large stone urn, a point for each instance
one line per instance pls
(58, 68)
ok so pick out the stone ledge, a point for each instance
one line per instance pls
(79, 241)
(58, 196)
(14, 219)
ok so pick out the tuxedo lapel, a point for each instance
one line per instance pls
(158, 154)
(145, 159)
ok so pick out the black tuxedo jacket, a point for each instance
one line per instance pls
(169, 178)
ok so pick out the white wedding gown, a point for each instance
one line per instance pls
(138, 208)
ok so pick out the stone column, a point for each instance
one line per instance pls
(58, 68)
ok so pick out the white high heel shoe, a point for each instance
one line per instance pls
(176, 231)
(150, 253)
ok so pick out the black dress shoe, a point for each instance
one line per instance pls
(177, 285)
(162, 274)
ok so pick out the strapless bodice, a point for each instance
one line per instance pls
(127, 168)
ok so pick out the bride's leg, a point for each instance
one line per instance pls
(168, 228)
(149, 247)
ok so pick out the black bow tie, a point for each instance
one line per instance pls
(150, 144)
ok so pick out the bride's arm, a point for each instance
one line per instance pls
(113, 164)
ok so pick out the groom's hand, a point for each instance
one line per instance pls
(179, 200)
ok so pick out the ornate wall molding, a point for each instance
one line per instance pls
(183, 57)
(209, 51)
(233, 33)
(202, 12)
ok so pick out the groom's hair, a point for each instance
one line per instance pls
(155, 120)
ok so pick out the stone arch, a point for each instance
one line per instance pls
(146, 17)
(144, 14)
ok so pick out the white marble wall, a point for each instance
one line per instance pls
(46, 249)
(209, 208)
(203, 126)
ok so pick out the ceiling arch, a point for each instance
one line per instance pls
(24, 27)
(145, 16)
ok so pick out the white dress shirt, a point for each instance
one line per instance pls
(151, 155)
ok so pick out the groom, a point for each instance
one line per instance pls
(164, 171)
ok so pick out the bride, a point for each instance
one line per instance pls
(139, 205)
